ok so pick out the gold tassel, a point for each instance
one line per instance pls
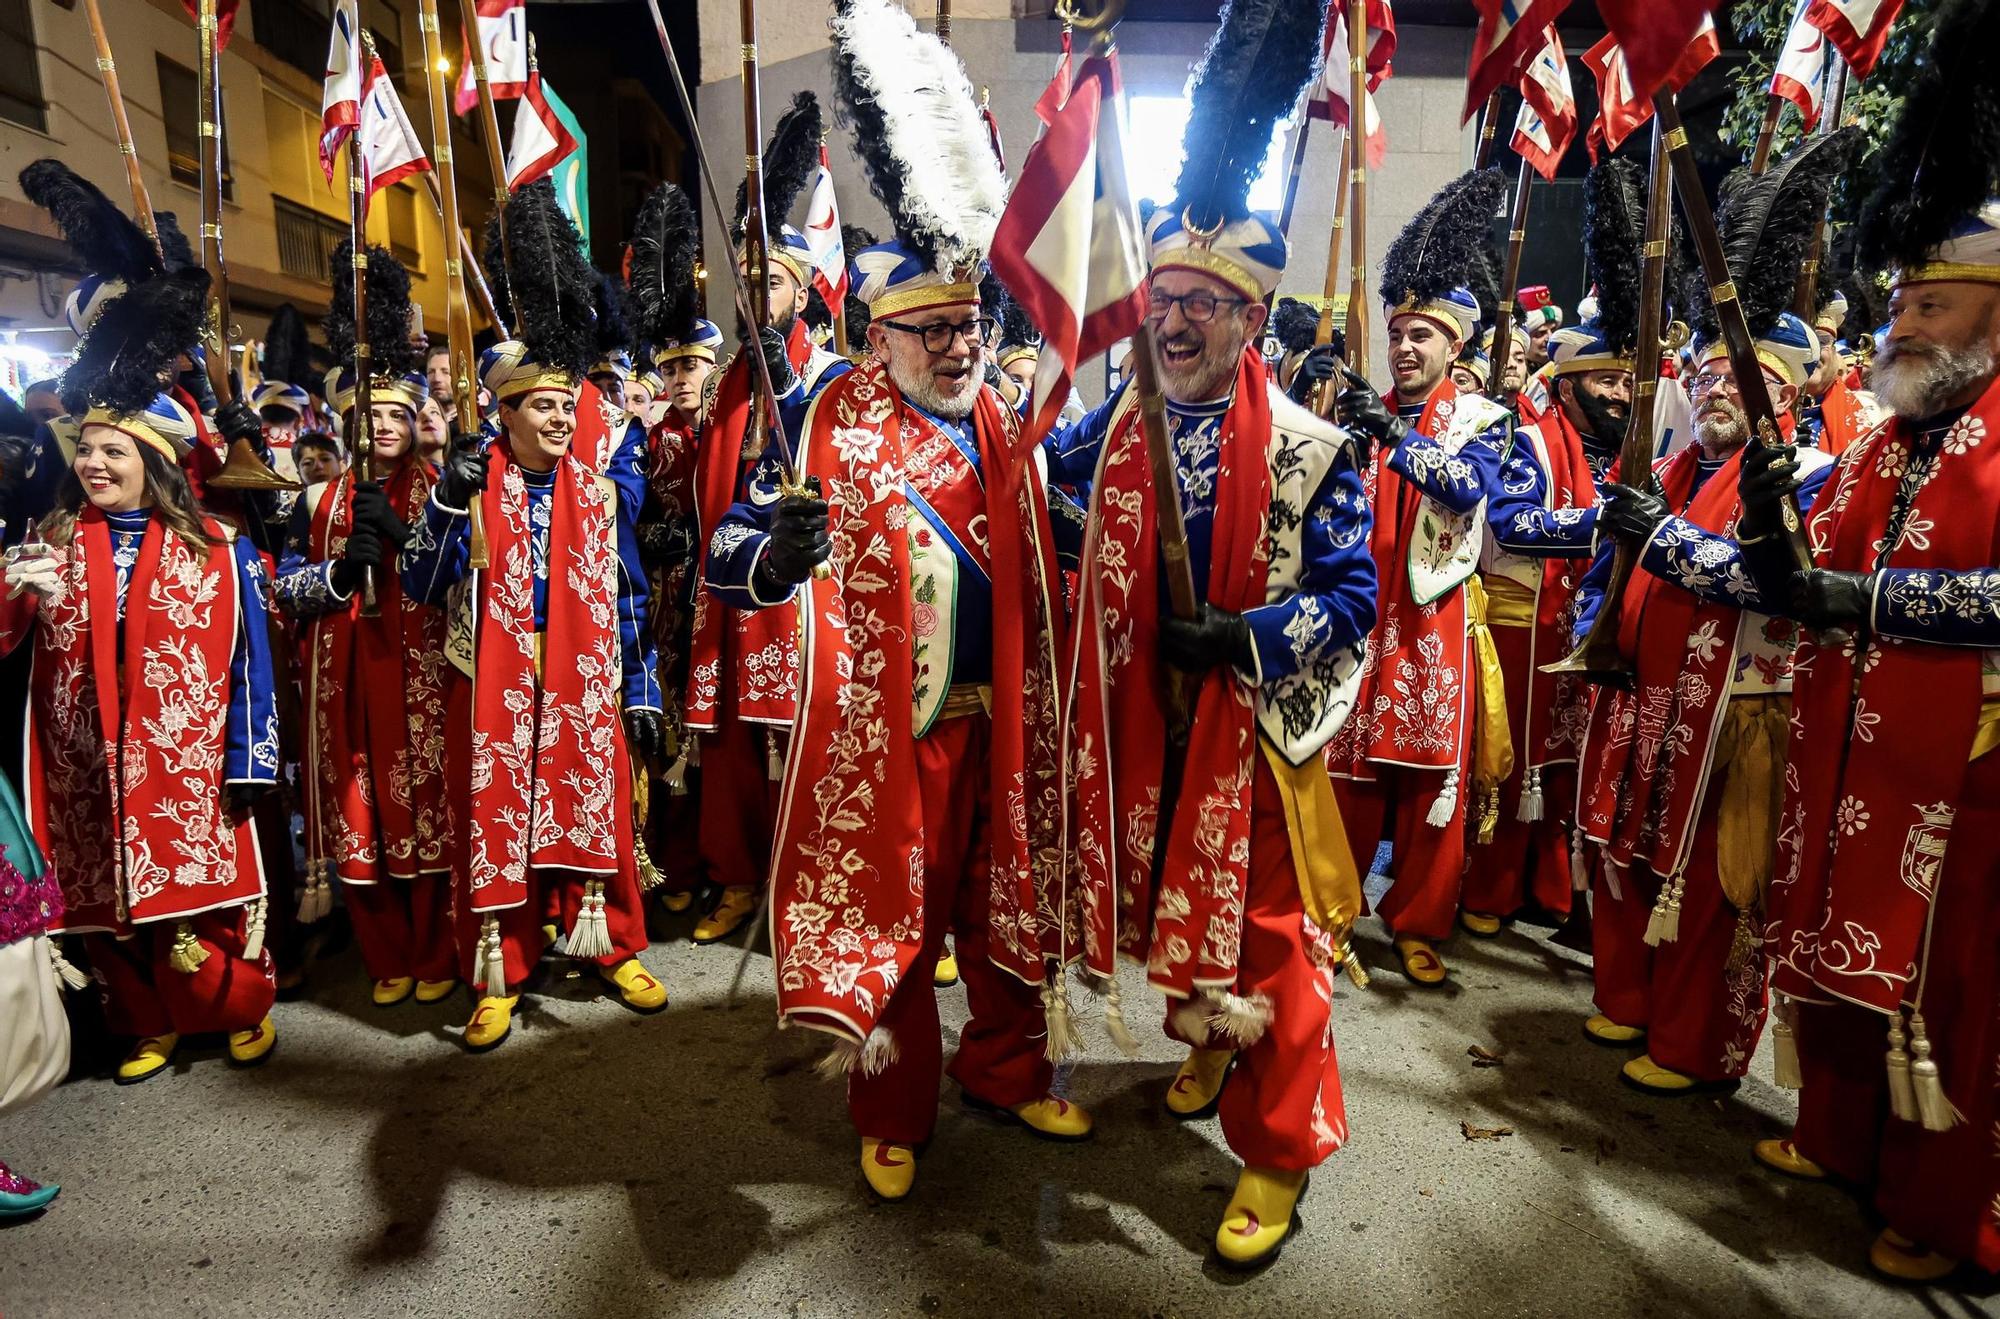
(1902, 1095)
(253, 932)
(1656, 924)
(774, 758)
(188, 953)
(1489, 811)
(1062, 1041)
(1934, 1108)
(1352, 964)
(1743, 944)
(1785, 1070)
(1114, 1020)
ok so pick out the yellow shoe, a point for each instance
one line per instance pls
(677, 902)
(1259, 1217)
(1783, 1156)
(1053, 1119)
(945, 974)
(388, 993)
(1479, 923)
(890, 1170)
(1603, 1030)
(730, 912)
(636, 986)
(1421, 962)
(435, 991)
(1896, 1256)
(550, 934)
(1642, 1073)
(248, 1048)
(149, 1057)
(491, 1023)
(1197, 1086)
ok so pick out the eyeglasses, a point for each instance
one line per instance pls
(939, 337)
(1198, 307)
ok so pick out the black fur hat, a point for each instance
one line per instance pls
(1295, 324)
(659, 271)
(1446, 251)
(390, 353)
(790, 158)
(287, 348)
(1614, 240)
(1261, 57)
(128, 357)
(103, 237)
(549, 295)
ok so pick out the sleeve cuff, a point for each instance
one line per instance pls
(443, 507)
(1876, 623)
(750, 580)
(333, 592)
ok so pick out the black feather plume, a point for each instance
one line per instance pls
(128, 356)
(790, 158)
(103, 237)
(287, 348)
(1482, 280)
(550, 290)
(388, 288)
(1017, 329)
(1941, 162)
(1295, 324)
(1442, 247)
(1262, 55)
(1767, 222)
(612, 334)
(175, 250)
(1614, 240)
(659, 280)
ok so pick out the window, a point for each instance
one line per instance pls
(403, 237)
(296, 32)
(179, 109)
(20, 69)
(306, 240)
(384, 21)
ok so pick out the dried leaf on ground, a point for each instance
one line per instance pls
(1484, 1133)
(1484, 1057)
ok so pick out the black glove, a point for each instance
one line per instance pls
(464, 474)
(1631, 514)
(237, 422)
(371, 509)
(238, 798)
(777, 361)
(646, 732)
(1822, 598)
(1320, 362)
(1769, 473)
(1362, 409)
(798, 538)
(1212, 638)
(364, 552)
(199, 387)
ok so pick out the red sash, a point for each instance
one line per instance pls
(376, 710)
(1557, 701)
(847, 868)
(1647, 755)
(549, 783)
(1188, 929)
(1410, 706)
(1877, 765)
(758, 648)
(126, 793)
(670, 478)
(599, 428)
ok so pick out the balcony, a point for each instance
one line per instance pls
(306, 240)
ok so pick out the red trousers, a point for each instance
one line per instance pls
(404, 927)
(144, 995)
(1283, 1106)
(673, 832)
(1429, 862)
(1701, 1019)
(1941, 1188)
(554, 897)
(1527, 861)
(1002, 1052)
(739, 802)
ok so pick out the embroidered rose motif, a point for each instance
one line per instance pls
(924, 620)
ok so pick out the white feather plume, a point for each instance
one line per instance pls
(951, 188)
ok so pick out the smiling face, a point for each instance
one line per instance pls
(390, 427)
(1721, 423)
(944, 384)
(1419, 352)
(110, 469)
(540, 426)
(1199, 359)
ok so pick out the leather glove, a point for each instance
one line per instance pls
(464, 474)
(776, 360)
(1321, 361)
(36, 567)
(1823, 598)
(798, 538)
(1212, 638)
(1768, 474)
(1631, 514)
(646, 733)
(237, 422)
(364, 552)
(239, 798)
(1363, 410)
(371, 509)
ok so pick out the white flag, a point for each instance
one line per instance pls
(390, 148)
(1802, 66)
(541, 141)
(503, 37)
(340, 103)
(823, 240)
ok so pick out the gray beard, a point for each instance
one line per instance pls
(925, 395)
(1724, 428)
(1918, 385)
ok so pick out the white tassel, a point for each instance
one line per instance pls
(838, 1062)
(1121, 1035)
(1934, 1108)
(774, 759)
(1902, 1094)
(870, 1058)
(1062, 1042)
(676, 775)
(1531, 799)
(66, 970)
(1191, 1022)
(1446, 804)
(492, 959)
(1242, 1020)
(1579, 863)
(253, 932)
(591, 938)
(1785, 1072)
(879, 1052)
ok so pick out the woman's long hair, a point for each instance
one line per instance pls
(166, 486)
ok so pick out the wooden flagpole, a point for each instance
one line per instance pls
(1805, 297)
(361, 417)
(1357, 155)
(459, 271)
(107, 73)
(1517, 233)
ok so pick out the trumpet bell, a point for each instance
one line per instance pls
(244, 470)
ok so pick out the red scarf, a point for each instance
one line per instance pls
(599, 428)
(125, 782)
(1411, 704)
(670, 477)
(1877, 764)
(1552, 734)
(759, 648)
(376, 710)
(1647, 755)
(549, 783)
(846, 890)
(1189, 927)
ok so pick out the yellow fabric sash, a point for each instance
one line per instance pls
(1988, 735)
(1493, 745)
(1508, 602)
(1329, 888)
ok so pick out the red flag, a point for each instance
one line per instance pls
(225, 18)
(1328, 101)
(1066, 249)
(1053, 96)
(1509, 33)
(1620, 108)
(1547, 122)
(1859, 28)
(1801, 68)
(503, 33)
(1655, 36)
(541, 139)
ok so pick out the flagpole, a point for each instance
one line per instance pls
(1357, 133)
(1489, 132)
(475, 277)
(1323, 395)
(944, 21)
(1517, 233)
(460, 270)
(1806, 294)
(361, 417)
(107, 73)
(489, 124)
(208, 112)
(1760, 158)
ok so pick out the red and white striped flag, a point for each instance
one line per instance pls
(541, 140)
(1053, 96)
(1547, 122)
(823, 240)
(503, 36)
(1656, 36)
(390, 148)
(1329, 101)
(1508, 33)
(1068, 250)
(1801, 70)
(340, 103)
(1621, 108)
(1860, 28)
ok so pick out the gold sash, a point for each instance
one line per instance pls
(1493, 745)
(1329, 888)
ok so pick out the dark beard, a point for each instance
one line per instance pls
(1600, 425)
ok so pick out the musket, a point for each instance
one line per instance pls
(1294, 167)
(1598, 659)
(1357, 130)
(121, 126)
(1323, 395)
(461, 270)
(1517, 233)
(496, 164)
(943, 21)
(1805, 297)
(475, 277)
(361, 417)
(1774, 109)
